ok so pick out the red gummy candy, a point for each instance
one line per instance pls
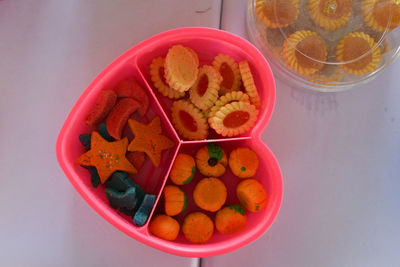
(136, 158)
(119, 115)
(130, 88)
(104, 103)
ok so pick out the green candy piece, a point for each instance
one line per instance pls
(104, 133)
(118, 181)
(140, 194)
(95, 178)
(144, 210)
(126, 200)
(121, 182)
(85, 140)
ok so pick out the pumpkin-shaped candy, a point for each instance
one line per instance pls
(164, 227)
(183, 169)
(211, 160)
(230, 219)
(252, 195)
(243, 162)
(175, 200)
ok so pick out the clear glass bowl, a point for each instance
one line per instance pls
(326, 45)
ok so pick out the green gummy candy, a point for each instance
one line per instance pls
(95, 178)
(126, 199)
(118, 181)
(104, 133)
(139, 191)
(144, 210)
(121, 182)
(85, 140)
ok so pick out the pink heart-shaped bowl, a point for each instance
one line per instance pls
(135, 64)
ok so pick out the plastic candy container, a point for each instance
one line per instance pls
(153, 178)
(326, 45)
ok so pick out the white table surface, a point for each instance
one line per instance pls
(50, 50)
(340, 158)
(339, 153)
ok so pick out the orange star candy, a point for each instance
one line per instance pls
(149, 139)
(107, 157)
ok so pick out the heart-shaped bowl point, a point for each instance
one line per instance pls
(134, 63)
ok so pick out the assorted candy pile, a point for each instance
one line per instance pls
(209, 194)
(110, 156)
(208, 95)
(204, 96)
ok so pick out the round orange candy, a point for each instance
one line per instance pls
(243, 162)
(230, 219)
(210, 194)
(164, 227)
(197, 227)
(252, 195)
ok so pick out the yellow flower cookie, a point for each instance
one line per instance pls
(355, 48)
(206, 112)
(228, 98)
(188, 120)
(157, 77)
(194, 54)
(381, 15)
(204, 92)
(277, 13)
(229, 71)
(234, 119)
(181, 68)
(248, 83)
(304, 52)
(330, 14)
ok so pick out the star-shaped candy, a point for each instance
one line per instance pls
(149, 139)
(107, 157)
